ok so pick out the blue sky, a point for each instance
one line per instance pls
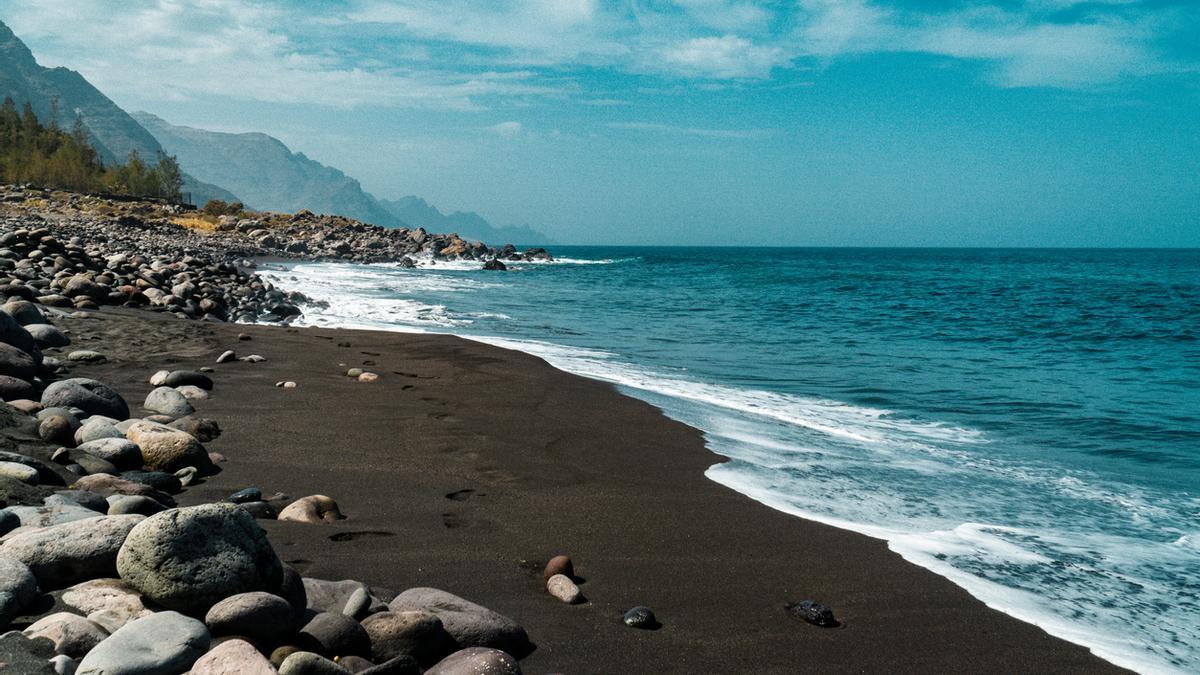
(803, 122)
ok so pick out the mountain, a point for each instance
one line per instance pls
(469, 225)
(65, 92)
(265, 173)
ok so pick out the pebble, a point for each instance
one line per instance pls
(812, 612)
(354, 372)
(227, 356)
(159, 378)
(640, 617)
(561, 587)
(368, 377)
(559, 564)
(25, 474)
(86, 356)
(250, 494)
(253, 358)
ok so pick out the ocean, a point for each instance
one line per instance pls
(1025, 423)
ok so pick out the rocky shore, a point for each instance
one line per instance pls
(205, 497)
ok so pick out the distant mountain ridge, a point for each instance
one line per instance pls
(269, 176)
(112, 131)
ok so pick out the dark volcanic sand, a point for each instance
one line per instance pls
(466, 467)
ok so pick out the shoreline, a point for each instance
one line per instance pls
(577, 481)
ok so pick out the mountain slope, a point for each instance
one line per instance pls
(265, 172)
(112, 131)
(469, 225)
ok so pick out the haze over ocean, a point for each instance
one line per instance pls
(1024, 422)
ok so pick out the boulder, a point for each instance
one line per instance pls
(18, 588)
(190, 559)
(13, 333)
(14, 388)
(26, 313)
(96, 428)
(164, 642)
(21, 472)
(232, 657)
(65, 554)
(477, 661)
(26, 656)
(471, 625)
(47, 336)
(308, 663)
(168, 401)
(167, 449)
(50, 514)
(16, 363)
(122, 452)
(71, 634)
(263, 617)
(109, 602)
(335, 634)
(812, 612)
(105, 485)
(416, 634)
(91, 396)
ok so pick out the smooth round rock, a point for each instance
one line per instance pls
(179, 378)
(87, 356)
(163, 642)
(65, 554)
(232, 657)
(139, 504)
(96, 428)
(250, 494)
(192, 393)
(47, 336)
(476, 661)
(312, 509)
(168, 401)
(308, 663)
(18, 588)
(16, 363)
(471, 625)
(121, 452)
(559, 564)
(12, 388)
(166, 449)
(562, 588)
(21, 472)
(335, 634)
(416, 634)
(263, 617)
(91, 396)
(71, 634)
(109, 602)
(191, 558)
(57, 429)
(640, 617)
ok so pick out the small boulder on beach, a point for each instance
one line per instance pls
(232, 657)
(477, 661)
(164, 642)
(561, 587)
(167, 449)
(65, 554)
(418, 634)
(91, 396)
(71, 634)
(471, 625)
(189, 559)
(168, 401)
(263, 617)
(640, 617)
(312, 509)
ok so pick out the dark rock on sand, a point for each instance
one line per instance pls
(471, 625)
(164, 642)
(263, 617)
(641, 617)
(812, 612)
(178, 378)
(250, 494)
(200, 428)
(189, 559)
(91, 396)
(477, 661)
(559, 564)
(335, 634)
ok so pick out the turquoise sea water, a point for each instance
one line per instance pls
(1024, 422)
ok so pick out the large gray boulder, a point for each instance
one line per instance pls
(192, 558)
(51, 514)
(167, 449)
(168, 401)
(61, 555)
(91, 396)
(47, 336)
(416, 634)
(164, 642)
(18, 588)
(471, 625)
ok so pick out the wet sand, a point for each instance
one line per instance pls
(466, 467)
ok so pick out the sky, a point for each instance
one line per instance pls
(791, 122)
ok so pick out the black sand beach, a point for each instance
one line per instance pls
(466, 467)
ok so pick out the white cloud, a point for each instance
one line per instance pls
(725, 57)
(509, 129)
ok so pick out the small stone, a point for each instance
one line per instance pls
(179, 378)
(253, 358)
(21, 472)
(812, 612)
(86, 356)
(168, 401)
(476, 661)
(368, 377)
(354, 372)
(167, 449)
(308, 663)
(312, 509)
(227, 356)
(640, 617)
(187, 475)
(159, 378)
(289, 385)
(164, 642)
(243, 336)
(418, 634)
(559, 564)
(232, 657)
(71, 634)
(250, 494)
(561, 587)
(18, 588)
(191, 392)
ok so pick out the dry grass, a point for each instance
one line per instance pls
(206, 224)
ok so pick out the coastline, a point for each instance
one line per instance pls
(557, 463)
